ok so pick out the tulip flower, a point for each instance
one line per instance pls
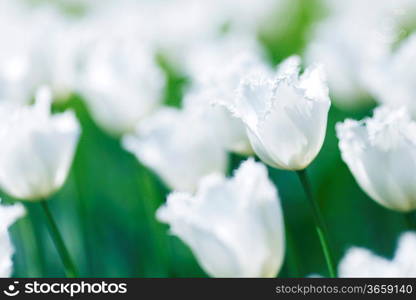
(8, 215)
(381, 154)
(179, 146)
(233, 226)
(37, 152)
(122, 83)
(360, 262)
(37, 148)
(286, 115)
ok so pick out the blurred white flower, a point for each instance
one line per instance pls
(393, 81)
(221, 62)
(184, 24)
(229, 130)
(343, 58)
(246, 15)
(355, 37)
(216, 68)
(233, 226)
(8, 215)
(178, 146)
(360, 262)
(285, 116)
(17, 55)
(62, 59)
(121, 83)
(381, 154)
(37, 148)
(28, 60)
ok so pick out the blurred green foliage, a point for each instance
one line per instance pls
(107, 206)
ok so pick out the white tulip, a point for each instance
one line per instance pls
(393, 81)
(8, 215)
(233, 226)
(381, 154)
(285, 116)
(360, 262)
(122, 83)
(178, 146)
(37, 148)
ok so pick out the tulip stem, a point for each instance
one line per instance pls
(70, 268)
(319, 222)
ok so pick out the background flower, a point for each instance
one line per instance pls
(360, 262)
(356, 37)
(393, 80)
(216, 68)
(122, 83)
(178, 147)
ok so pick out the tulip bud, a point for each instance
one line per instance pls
(381, 154)
(233, 226)
(359, 262)
(179, 146)
(37, 148)
(286, 116)
(8, 215)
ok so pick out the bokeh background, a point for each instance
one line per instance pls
(106, 210)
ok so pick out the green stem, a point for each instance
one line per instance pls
(410, 221)
(70, 268)
(32, 250)
(319, 222)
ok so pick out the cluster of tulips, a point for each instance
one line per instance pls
(236, 102)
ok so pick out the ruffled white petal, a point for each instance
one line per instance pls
(381, 154)
(285, 115)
